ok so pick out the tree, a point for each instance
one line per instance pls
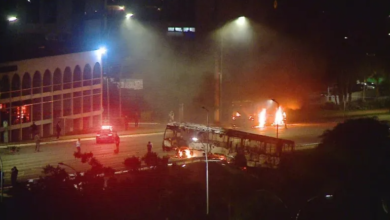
(132, 163)
(152, 160)
(355, 153)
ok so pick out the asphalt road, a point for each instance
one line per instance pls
(30, 163)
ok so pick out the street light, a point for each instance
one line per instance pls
(277, 123)
(207, 163)
(242, 23)
(241, 20)
(12, 18)
(103, 51)
(129, 15)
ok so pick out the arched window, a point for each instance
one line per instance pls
(57, 80)
(5, 87)
(97, 73)
(77, 77)
(26, 84)
(37, 82)
(47, 81)
(15, 85)
(87, 75)
(67, 78)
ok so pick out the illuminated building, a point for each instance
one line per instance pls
(65, 88)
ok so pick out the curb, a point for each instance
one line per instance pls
(91, 137)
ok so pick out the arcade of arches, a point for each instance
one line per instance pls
(71, 95)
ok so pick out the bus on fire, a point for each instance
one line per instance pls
(189, 139)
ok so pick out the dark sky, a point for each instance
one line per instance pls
(290, 53)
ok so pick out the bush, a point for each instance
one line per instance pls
(85, 157)
(151, 159)
(132, 163)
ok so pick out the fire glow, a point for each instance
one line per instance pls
(187, 153)
(262, 118)
(279, 117)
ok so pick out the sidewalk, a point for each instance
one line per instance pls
(143, 128)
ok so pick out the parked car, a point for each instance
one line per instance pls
(105, 135)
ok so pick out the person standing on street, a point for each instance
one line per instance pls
(117, 141)
(37, 142)
(78, 145)
(136, 118)
(285, 120)
(149, 146)
(58, 128)
(171, 116)
(34, 129)
(126, 123)
(14, 176)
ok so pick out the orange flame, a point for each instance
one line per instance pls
(279, 117)
(262, 118)
(187, 153)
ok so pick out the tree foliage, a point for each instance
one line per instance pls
(355, 153)
(132, 163)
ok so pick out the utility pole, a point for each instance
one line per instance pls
(277, 123)
(207, 162)
(108, 99)
(120, 93)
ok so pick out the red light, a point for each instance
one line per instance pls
(1, 106)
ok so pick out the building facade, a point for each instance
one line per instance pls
(65, 88)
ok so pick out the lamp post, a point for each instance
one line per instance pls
(240, 22)
(207, 163)
(277, 123)
(103, 51)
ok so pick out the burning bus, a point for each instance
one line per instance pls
(189, 139)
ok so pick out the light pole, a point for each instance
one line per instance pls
(277, 123)
(207, 163)
(240, 22)
(103, 51)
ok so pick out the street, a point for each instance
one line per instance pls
(30, 163)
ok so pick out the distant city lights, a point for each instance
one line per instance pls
(121, 8)
(345, 37)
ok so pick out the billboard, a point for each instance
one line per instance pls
(136, 84)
